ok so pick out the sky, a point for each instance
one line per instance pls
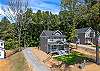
(44, 5)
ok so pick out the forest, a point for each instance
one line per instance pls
(74, 14)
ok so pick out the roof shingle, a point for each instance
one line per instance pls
(82, 30)
(50, 33)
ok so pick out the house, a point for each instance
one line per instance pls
(2, 50)
(86, 35)
(51, 41)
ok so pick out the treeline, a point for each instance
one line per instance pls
(73, 15)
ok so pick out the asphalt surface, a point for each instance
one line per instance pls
(85, 46)
(33, 60)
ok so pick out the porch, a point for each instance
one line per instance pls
(56, 47)
(89, 40)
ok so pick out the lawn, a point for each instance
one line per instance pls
(72, 58)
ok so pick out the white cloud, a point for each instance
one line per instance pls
(42, 5)
(35, 5)
(35, 9)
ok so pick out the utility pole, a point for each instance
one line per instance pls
(97, 50)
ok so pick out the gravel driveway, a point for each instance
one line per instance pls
(33, 60)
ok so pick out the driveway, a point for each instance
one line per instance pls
(85, 46)
(33, 60)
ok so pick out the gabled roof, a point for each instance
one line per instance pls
(83, 30)
(51, 33)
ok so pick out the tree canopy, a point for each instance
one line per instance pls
(74, 14)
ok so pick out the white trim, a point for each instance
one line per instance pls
(42, 35)
(1, 41)
(56, 32)
(89, 29)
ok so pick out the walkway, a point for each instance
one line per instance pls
(33, 60)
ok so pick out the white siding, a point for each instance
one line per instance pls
(1, 49)
(1, 54)
(2, 44)
(94, 35)
(57, 34)
(88, 33)
(54, 40)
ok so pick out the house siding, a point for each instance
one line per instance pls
(86, 35)
(54, 39)
(48, 39)
(43, 44)
(2, 55)
(2, 50)
(81, 36)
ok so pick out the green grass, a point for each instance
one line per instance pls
(72, 58)
(18, 62)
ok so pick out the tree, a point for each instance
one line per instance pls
(86, 14)
(8, 34)
(69, 9)
(94, 21)
(18, 7)
(14, 12)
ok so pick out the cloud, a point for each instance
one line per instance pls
(41, 7)
(44, 5)
(51, 2)
(54, 11)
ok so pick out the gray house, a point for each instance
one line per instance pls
(51, 41)
(86, 35)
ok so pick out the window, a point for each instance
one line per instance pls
(1, 44)
(51, 39)
(61, 48)
(54, 48)
(0, 53)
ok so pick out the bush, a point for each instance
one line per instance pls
(11, 44)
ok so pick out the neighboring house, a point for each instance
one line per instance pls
(2, 50)
(86, 35)
(51, 41)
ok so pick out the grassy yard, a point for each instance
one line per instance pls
(72, 58)
(18, 62)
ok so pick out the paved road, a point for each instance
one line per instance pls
(33, 60)
(85, 46)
